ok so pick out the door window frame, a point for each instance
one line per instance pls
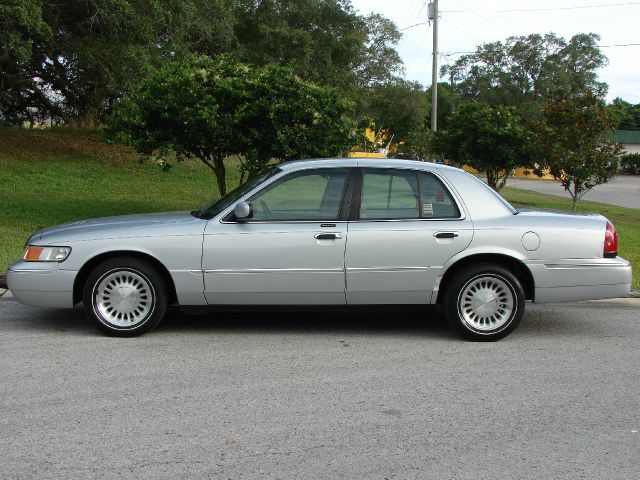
(351, 198)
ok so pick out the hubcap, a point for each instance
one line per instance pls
(486, 303)
(123, 298)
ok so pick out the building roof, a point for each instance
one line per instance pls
(626, 137)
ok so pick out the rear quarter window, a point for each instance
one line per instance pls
(435, 200)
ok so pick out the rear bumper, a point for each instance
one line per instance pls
(573, 280)
(41, 284)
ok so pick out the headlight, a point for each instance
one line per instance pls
(46, 254)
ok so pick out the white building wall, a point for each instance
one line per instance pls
(631, 147)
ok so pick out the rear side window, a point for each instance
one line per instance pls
(389, 194)
(404, 194)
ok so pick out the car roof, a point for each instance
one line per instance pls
(360, 162)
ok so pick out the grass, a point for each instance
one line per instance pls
(54, 176)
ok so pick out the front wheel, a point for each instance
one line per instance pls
(125, 296)
(484, 302)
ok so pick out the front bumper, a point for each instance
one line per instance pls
(573, 280)
(41, 284)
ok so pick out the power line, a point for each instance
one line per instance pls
(543, 9)
(461, 30)
(620, 45)
(465, 52)
(424, 36)
(526, 19)
(487, 18)
(409, 15)
(411, 26)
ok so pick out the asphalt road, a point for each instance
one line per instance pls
(623, 190)
(322, 396)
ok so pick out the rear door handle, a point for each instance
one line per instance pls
(445, 234)
(327, 236)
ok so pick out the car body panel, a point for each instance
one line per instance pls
(125, 226)
(174, 239)
(41, 284)
(274, 263)
(392, 261)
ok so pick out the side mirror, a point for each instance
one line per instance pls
(243, 211)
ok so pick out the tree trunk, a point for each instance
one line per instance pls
(492, 179)
(218, 163)
(88, 118)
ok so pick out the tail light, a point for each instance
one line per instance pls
(610, 241)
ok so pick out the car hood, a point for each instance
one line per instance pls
(147, 225)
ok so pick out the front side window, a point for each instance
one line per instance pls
(404, 194)
(307, 195)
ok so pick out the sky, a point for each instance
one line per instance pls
(463, 24)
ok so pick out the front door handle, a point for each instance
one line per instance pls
(445, 234)
(327, 236)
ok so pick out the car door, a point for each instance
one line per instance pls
(407, 225)
(291, 251)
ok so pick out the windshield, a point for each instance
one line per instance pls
(212, 209)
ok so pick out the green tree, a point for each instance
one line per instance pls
(70, 61)
(626, 115)
(489, 139)
(78, 57)
(525, 71)
(21, 22)
(417, 145)
(287, 118)
(317, 39)
(378, 61)
(397, 107)
(447, 100)
(187, 109)
(322, 41)
(572, 145)
(212, 109)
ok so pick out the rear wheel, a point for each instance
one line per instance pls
(125, 296)
(484, 302)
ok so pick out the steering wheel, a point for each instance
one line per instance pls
(265, 209)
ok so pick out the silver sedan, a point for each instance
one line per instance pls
(329, 232)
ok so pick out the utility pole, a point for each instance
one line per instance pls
(433, 15)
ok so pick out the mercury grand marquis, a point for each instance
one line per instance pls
(329, 232)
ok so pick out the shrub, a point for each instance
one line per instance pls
(630, 163)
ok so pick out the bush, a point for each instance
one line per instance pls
(630, 163)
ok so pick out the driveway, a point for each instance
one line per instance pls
(623, 190)
(321, 396)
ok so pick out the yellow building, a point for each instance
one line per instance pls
(381, 145)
